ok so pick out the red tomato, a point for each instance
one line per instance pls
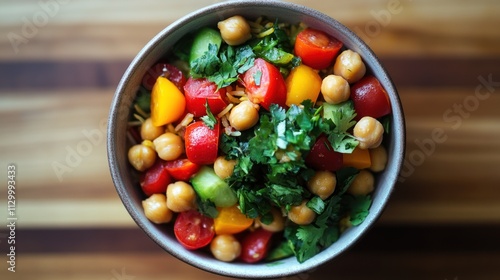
(323, 157)
(316, 48)
(255, 245)
(193, 230)
(182, 169)
(173, 74)
(370, 98)
(155, 179)
(202, 143)
(264, 84)
(198, 92)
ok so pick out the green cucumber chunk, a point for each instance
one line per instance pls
(211, 187)
(202, 39)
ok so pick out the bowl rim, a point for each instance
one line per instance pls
(249, 270)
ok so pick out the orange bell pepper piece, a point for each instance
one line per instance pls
(230, 221)
(359, 158)
(167, 102)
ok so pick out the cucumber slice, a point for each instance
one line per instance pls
(202, 39)
(211, 187)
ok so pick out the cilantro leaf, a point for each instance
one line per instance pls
(359, 208)
(316, 204)
(342, 117)
(206, 207)
(207, 64)
(309, 240)
(222, 66)
(209, 119)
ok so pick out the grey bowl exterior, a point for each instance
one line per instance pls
(159, 47)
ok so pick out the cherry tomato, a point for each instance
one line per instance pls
(193, 230)
(370, 98)
(182, 169)
(264, 84)
(155, 179)
(316, 48)
(199, 91)
(173, 74)
(202, 143)
(323, 157)
(255, 245)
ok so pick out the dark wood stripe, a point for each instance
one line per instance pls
(385, 238)
(49, 75)
(413, 72)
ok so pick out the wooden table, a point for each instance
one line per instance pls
(60, 62)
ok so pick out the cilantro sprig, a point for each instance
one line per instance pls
(271, 171)
(222, 65)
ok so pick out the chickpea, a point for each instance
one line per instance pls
(350, 66)
(225, 247)
(169, 146)
(363, 183)
(141, 157)
(180, 197)
(290, 154)
(335, 89)
(234, 30)
(149, 131)
(156, 210)
(301, 214)
(278, 223)
(244, 115)
(369, 132)
(322, 184)
(345, 223)
(224, 167)
(378, 157)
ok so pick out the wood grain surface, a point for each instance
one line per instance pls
(60, 62)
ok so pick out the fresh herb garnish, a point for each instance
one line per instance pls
(306, 241)
(342, 116)
(206, 207)
(223, 65)
(209, 119)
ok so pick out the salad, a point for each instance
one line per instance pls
(259, 140)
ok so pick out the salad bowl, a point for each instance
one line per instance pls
(158, 48)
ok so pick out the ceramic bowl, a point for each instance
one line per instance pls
(159, 47)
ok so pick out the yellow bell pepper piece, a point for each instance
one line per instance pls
(303, 83)
(167, 102)
(230, 221)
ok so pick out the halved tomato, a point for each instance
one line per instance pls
(323, 157)
(255, 245)
(264, 84)
(182, 169)
(155, 179)
(316, 48)
(202, 143)
(200, 91)
(193, 230)
(370, 98)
